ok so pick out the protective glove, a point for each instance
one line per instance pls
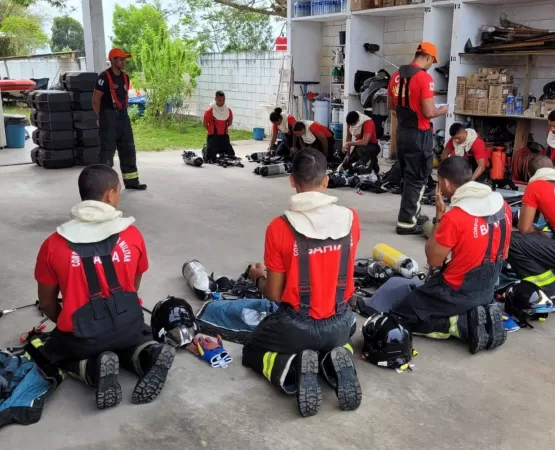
(211, 352)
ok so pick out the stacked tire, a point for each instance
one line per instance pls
(80, 86)
(67, 130)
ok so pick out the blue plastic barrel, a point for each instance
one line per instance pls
(258, 134)
(15, 136)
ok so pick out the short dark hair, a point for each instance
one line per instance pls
(299, 126)
(352, 117)
(420, 55)
(455, 129)
(275, 115)
(539, 162)
(551, 116)
(456, 169)
(309, 167)
(95, 180)
(220, 94)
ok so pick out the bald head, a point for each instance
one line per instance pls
(539, 162)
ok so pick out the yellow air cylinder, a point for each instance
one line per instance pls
(398, 261)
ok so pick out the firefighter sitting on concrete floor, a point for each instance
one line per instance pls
(217, 120)
(110, 101)
(457, 301)
(309, 254)
(532, 252)
(465, 142)
(362, 143)
(313, 134)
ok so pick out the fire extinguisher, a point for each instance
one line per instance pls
(498, 163)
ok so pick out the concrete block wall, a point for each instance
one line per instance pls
(249, 80)
(401, 38)
(330, 39)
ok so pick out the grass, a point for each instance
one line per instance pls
(150, 138)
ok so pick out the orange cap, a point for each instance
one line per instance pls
(118, 53)
(429, 49)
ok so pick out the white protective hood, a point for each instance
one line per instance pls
(477, 199)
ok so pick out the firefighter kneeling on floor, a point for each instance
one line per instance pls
(217, 120)
(110, 102)
(532, 252)
(96, 261)
(476, 231)
(309, 254)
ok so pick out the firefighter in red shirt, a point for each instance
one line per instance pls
(465, 142)
(362, 143)
(217, 120)
(411, 98)
(313, 134)
(96, 261)
(532, 252)
(284, 123)
(110, 100)
(458, 300)
(309, 254)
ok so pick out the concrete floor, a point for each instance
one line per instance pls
(453, 400)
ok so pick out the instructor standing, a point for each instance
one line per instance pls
(110, 100)
(411, 97)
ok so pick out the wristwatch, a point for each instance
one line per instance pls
(435, 221)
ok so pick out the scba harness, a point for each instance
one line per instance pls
(113, 93)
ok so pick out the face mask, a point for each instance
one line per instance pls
(551, 139)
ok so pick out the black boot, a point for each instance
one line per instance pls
(106, 371)
(309, 393)
(416, 230)
(494, 326)
(158, 359)
(338, 369)
(477, 333)
(136, 185)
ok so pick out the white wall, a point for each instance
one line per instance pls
(330, 41)
(401, 38)
(47, 67)
(249, 81)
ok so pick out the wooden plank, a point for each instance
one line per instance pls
(521, 135)
(527, 79)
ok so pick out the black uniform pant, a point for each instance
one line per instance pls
(218, 145)
(284, 147)
(366, 154)
(116, 134)
(532, 257)
(271, 348)
(415, 154)
(331, 147)
(434, 326)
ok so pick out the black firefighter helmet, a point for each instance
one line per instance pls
(173, 322)
(387, 343)
(525, 300)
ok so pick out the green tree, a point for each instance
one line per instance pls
(67, 33)
(10, 9)
(168, 69)
(131, 24)
(25, 35)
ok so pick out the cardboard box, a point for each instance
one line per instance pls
(481, 106)
(461, 86)
(485, 72)
(469, 105)
(376, 3)
(548, 106)
(470, 93)
(401, 2)
(459, 104)
(500, 77)
(496, 107)
(472, 80)
(483, 84)
(499, 91)
(358, 5)
(482, 93)
(388, 3)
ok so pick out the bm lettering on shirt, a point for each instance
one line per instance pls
(323, 249)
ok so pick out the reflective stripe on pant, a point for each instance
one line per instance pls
(116, 134)
(532, 257)
(415, 154)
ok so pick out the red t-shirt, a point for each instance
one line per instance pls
(421, 87)
(221, 125)
(290, 122)
(368, 127)
(319, 128)
(467, 237)
(280, 256)
(540, 195)
(57, 264)
(478, 150)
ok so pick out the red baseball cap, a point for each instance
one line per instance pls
(118, 53)
(429, 49)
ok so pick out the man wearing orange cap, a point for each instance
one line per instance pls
(110, 100)
(411, 98)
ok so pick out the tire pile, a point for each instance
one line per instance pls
(67, 130)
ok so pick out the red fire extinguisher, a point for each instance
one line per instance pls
(281, 43)
(498, 163)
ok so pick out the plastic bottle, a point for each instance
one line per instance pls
(343, 5)
(531, 100)
(335, 75)
(519, 105)
(296, 9)
(510, 102)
